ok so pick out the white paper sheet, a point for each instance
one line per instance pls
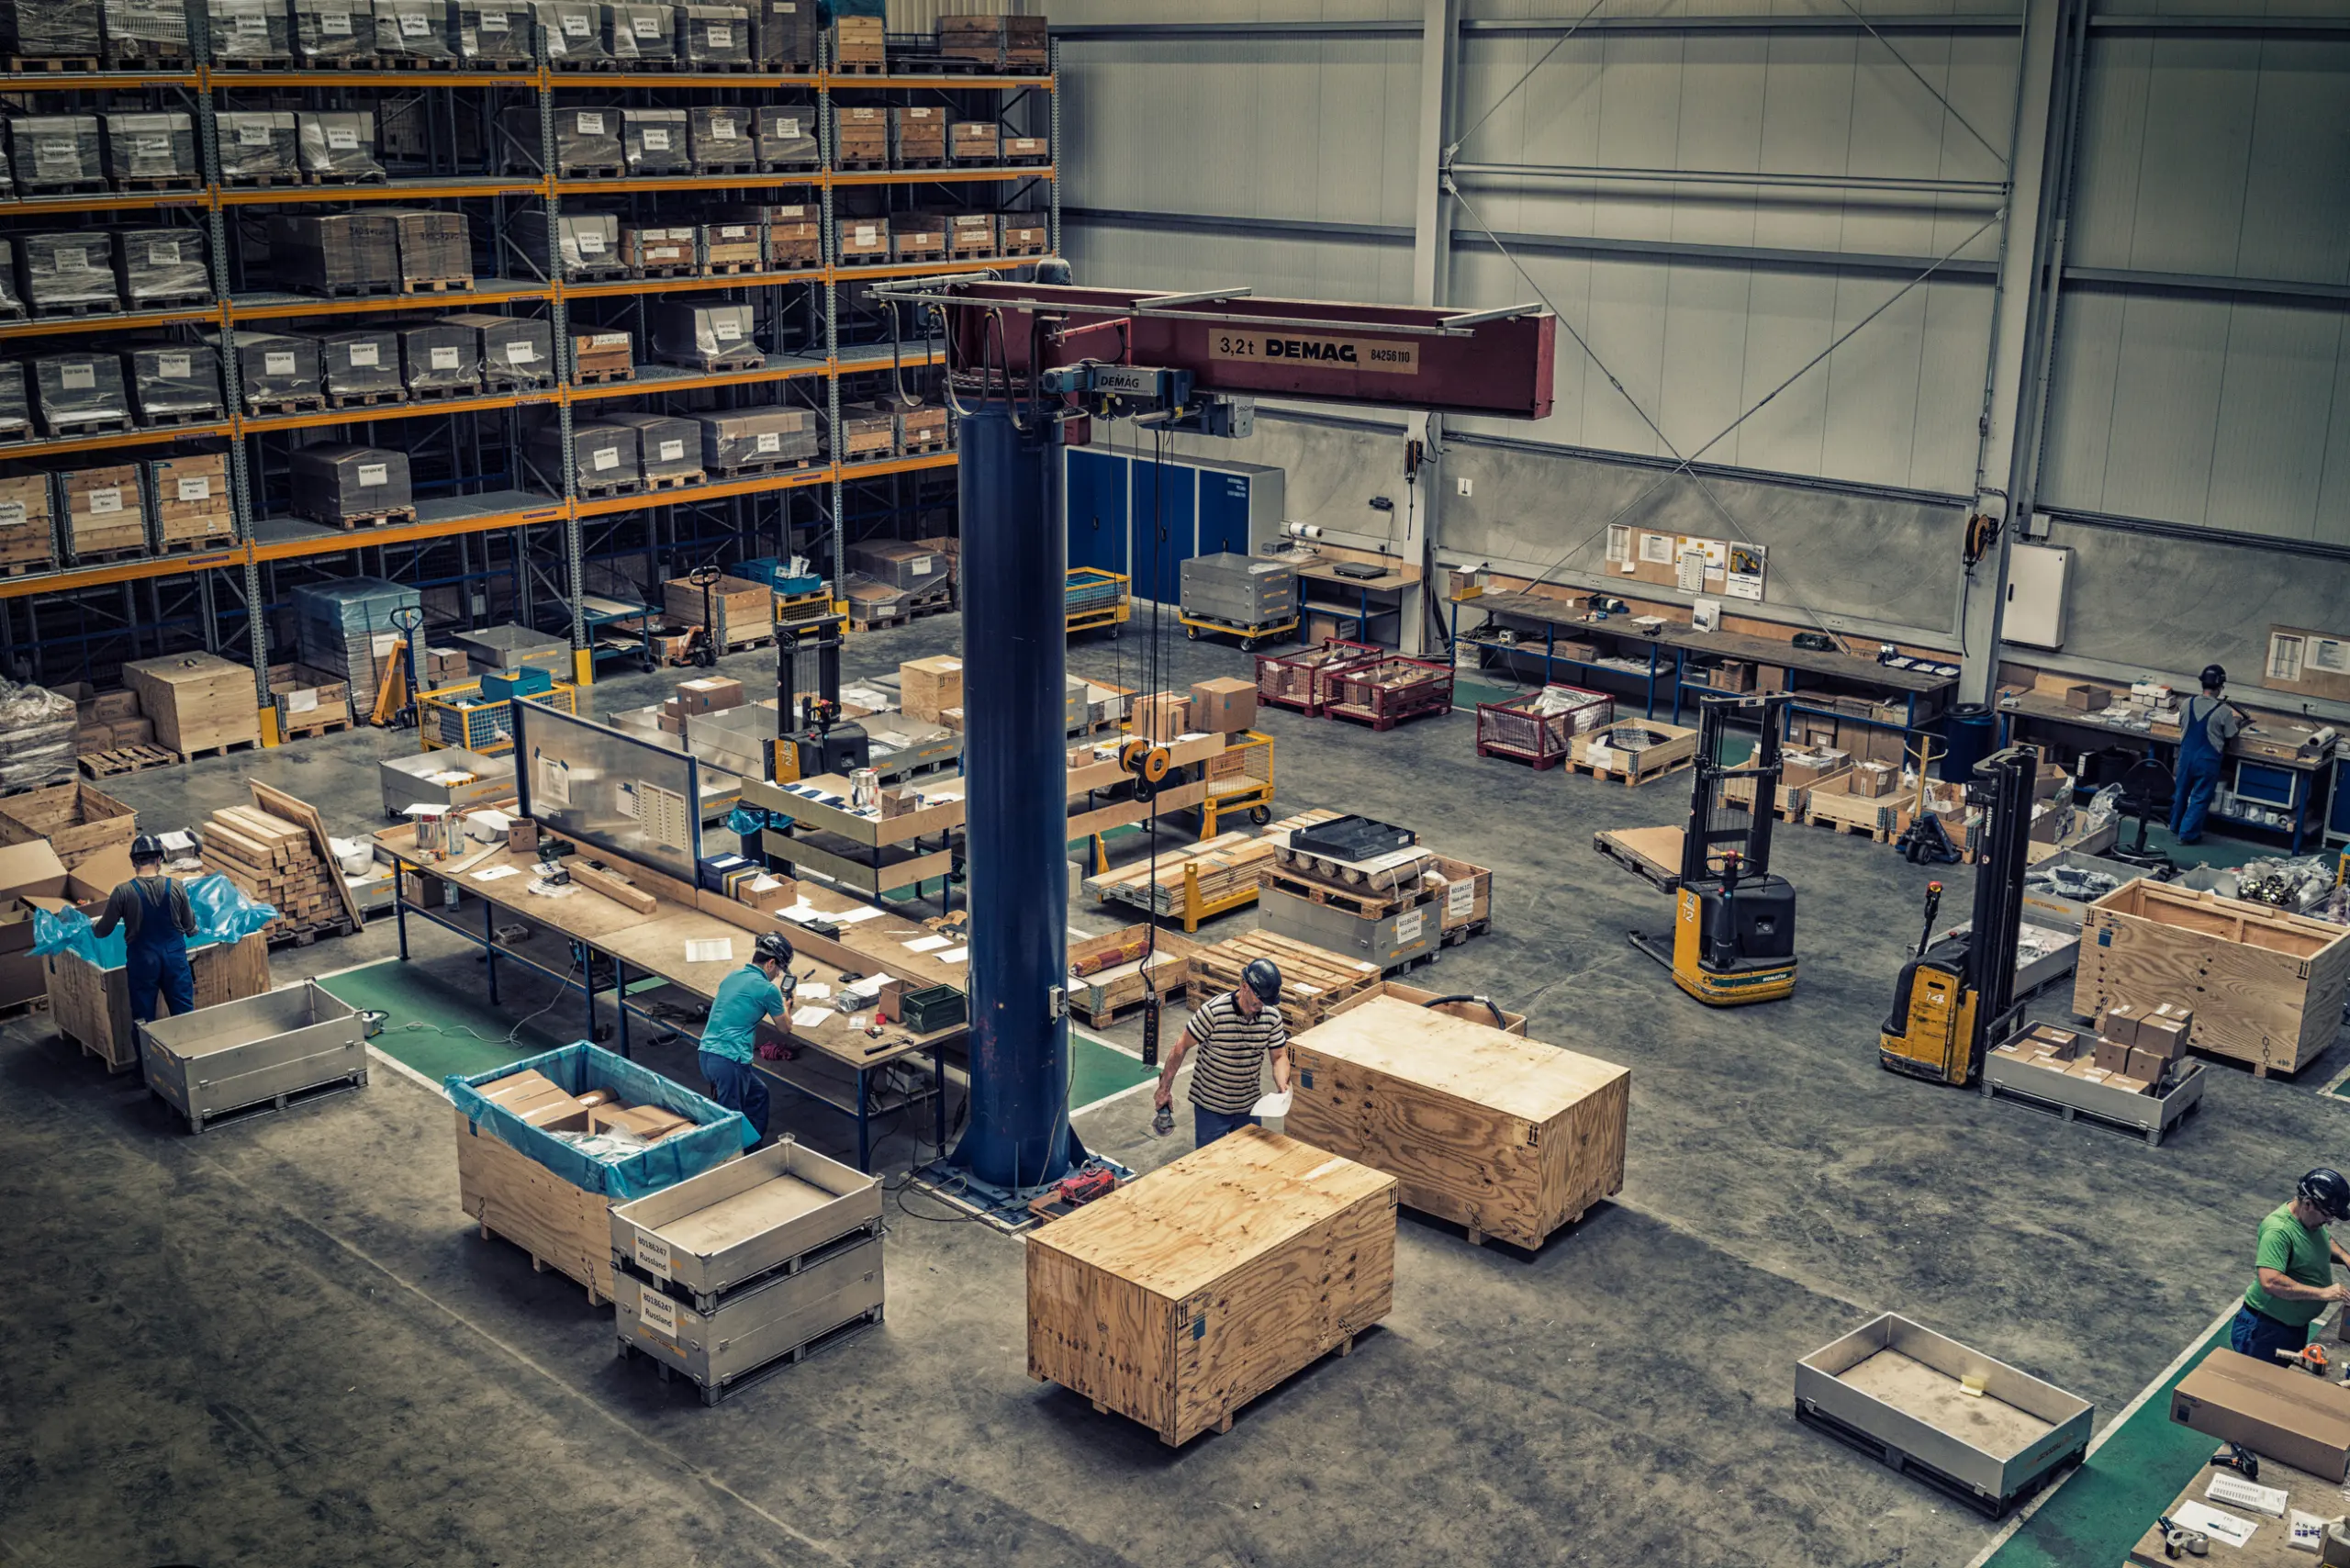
(815, 991)
(869, 986)
(959, 956)
(2222, 1526)
(710, 950)
(851, 916)
(493, 873)
(809, 1017)
(925, 945)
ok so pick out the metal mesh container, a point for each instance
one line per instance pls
(129, 24)
(706, 337)
(418, 30)
(68, 273)
(655, 141)
(248, 31)
(434, 246)
(340, 145)
(488, 31)
(587, 141)
(573, 29)
(162, 266)
(667, 447)
(151, 147)
(713, 35)
(339, 482)
(276, 368)
(336, 253)
(636, 33)
(56, 152)
(330, 30)
(723, 136)
(49, 27)
(756, 438)
(440, 357)
(786, 137)
(512, 351)
(587, 244)
(15, 409)
(257, 147)
(172, 382)
(362, 362)
(602, 457)
(783, 34)
(74, 391)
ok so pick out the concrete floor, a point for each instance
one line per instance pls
(281, 1342)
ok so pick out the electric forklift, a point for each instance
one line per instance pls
(812, 737)
(1958, 994)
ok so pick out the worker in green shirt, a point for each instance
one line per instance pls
(2293, 1269)
(759, 990)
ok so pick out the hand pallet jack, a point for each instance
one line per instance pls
(1956, 995)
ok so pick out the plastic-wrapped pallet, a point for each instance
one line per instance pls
(489, 31)
(588, 244)
(328, 31)
(339, 482)
(11, 307)
(713, 35)
(258, 147)
(8, 171)
(16, 406)
(653, 141)
(723, 136)
(788, 136)
(248, 31)
(277, 370)
(433, 247)
(36, 737)
(587, 141)
(908, 568)
(512, 351)
(162, 266)
(77, 392)
(440, 357)
(756, 438)
(362, 362)
(56, 152)
(151, 147)
(133, 28)
(414, 30)
(640, 34)
(336, 253)
(705, 337)
(346, 629)
(49, 28)
(783, 34)
(667, 447)
(573, 29)
(602, 457)
(69, 273)
(340, 145)
(172, 383)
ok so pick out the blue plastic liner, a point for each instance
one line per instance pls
(578, 1068)
(223, 914)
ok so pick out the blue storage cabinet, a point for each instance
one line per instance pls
(1115, 504)
(1093, 492)
(1240, 508)
(1162, 501)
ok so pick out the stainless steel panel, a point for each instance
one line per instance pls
(2147, 1113)
(512, 648)
(609, 790)
(1387, 942)
(756, 1325)
(406, 780)
(240, 1053)
(638, 1228)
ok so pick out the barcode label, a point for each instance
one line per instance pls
(364, 354)
(105, 501)
(196, 489)
(606, 457)
(672, 451)
(175, 366)
(371, 473)
(277, 365)
(591, 124)
(657, 139)
(444, 359)
(522, 352)
(77, 377)
(339, 140)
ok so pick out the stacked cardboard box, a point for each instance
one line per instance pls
(198, 701)
(327, 32)
(307, 700)
(707, 337)
(1223, 706)
(258, 147)
(655, 141)
(77, 393)
(162, 266)
(511, 351)
(433, 248)
(336, 253)
(756, 438)
(104, 721)
(667, 446)
(172, 382)
(783, 34)
(640, 33)
(865, 430)
(713, 35)
(2100, 1058)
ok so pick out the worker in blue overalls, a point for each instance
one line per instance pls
(156, 921)
(2206, 724)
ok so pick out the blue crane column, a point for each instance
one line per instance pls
(1016, 817)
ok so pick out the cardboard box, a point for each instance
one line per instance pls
(2087, 699)
(709, 694)
(2112, 1056)
(1223, 706)
(2162, 1037)
(928, 688)
(1875, 779)
(2057, 1041)
(522, 836)
(1799, 768)
(537, 1099)
(2148, 1066)
(2120, 1022)
(1163, 716)
(768, 892)
(2131, 1083)
(32, 871)
(2274, 1410)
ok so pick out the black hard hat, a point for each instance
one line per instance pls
(146, 847)
(2214, 676)
(772, 947)
(1264, 977)
(2325, 1190)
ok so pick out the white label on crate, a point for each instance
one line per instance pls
(788, 128)
(164, 253)
(673, 450)
(770, 441)
(919, 566)
(334, 22)
(658, 1312)
(662, 253)
(722, 131)
(341, 138)
(362, 354)
(727, 329)
(413, 24)
(196, 489)
(606, 457)
(521, 353)
(591, 241)
(251, 24)
(175, 366)
(721, 38)
(1459, 899)
(78, 377)
(54, 153)
(607, 340)
(1407, 927)
(305, 702)
(444, 359)
(277, 365)
(104, 501)
(373, 474)
(652, 1255)
(646, 27)
(494, 22)
(866, 234)
(252, 136)
(591, 124)
(789, 212)
(152, 146)
(787, 7)
(12, 514)
(657, 139)
(576, 23)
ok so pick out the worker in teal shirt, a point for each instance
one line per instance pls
(759, 990)
(2293, 1269)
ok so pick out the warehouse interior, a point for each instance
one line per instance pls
(517, 506)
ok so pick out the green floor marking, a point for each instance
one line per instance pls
(1097, 1070)
(437, 1046)
(2097, 1514)
(1467, 694)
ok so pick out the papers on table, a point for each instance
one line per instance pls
(710, 950)
(851, 916)
(959, 956)
(925, 945)
(809, 1017)
(815, 991)
(869, 987)
(2213, 1523)
(491, 873)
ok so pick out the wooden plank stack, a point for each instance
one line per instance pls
(199, 702)
(277, 861)
(1313, 980)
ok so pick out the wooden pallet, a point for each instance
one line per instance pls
(261, 181)
(306, 935)
(366, 399)
(225, 748)
(585, 377)
(196, 543)
(1857, 830)
(333, 177)
(109, 557)
(185, 299)
(155, 182)
(68, 309)
(1369, 905)
(683, 269)
(1313, 980)
(389, 517)
(436, 286)
(1456, 935)
(96, 764)
(176, 420)
(749, 470)
(674, 481)
(617, 488)
(314, 729)
(28, 566)
(261, 409)
(540, 1266)
(443, 394)
(35, 65)
(1630, 777)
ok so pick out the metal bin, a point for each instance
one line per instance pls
(260, 1049)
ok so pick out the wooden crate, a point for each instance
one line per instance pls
(308, 699)
(665, 248)
(27, 526)
(1181, 1297)
(103, 509)
(78, 820)
(858, 42)
(2266, 987)
(745, 610)
(192, 498)
(1468, 894)
(1594, 755)
(563, 1228)
(866, 431)
(91, 1007)
(1506, 1136)
(1099, 996)
(1830, 801)
(198, 701)
(1466, 1012)
(1313, 980)
(604, 353)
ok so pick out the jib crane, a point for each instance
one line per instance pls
(1031, 365)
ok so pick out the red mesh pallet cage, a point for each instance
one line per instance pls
(1385, 692)
(1301, 680)
(1520, 727)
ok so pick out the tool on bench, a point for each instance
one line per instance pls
(551, 854)
(2240, 1459)
(2180, 1541)
(2310, 1359)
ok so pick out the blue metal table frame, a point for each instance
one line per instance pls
(1551, 658)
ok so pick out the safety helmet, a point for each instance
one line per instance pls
(771, 947)
(1262, 976)
(2214, 678)
(2325, 1190)
(147, 848)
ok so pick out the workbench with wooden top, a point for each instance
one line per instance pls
(643, 925)
(1324, 569)
(861, 849)
(2268, 1547)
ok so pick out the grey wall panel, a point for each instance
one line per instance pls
(1116, 255)
(2334, 476)
(2296, 189)
(2275, 396)
(1331, 471)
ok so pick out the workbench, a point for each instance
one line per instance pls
(636, 642)
(2267, 1548)
(1395, 580)
(872, 854)
(650, 945)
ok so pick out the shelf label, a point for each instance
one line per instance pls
(176, 366)
(372, 473)
(673, 450)
(658, 1313)
(444, 359)
(102, 501)
(277, 365)
(196, 489)
(363, 355)
(78, 377)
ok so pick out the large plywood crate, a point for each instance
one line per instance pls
(1505, 1137)
(198, 701)
(91, 1006)
(2266, 987)
(561, 1227)
(1182, 1296)
(78, 820)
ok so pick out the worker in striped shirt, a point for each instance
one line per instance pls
(1234, 1032)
